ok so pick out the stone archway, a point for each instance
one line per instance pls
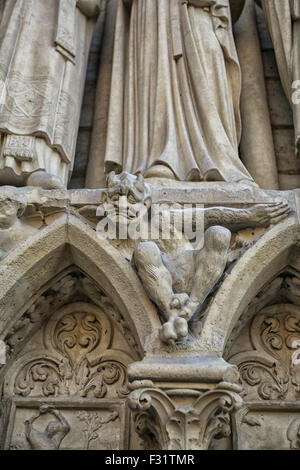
(261, 263)
(263, 343)
(66, 242)
(69, 343)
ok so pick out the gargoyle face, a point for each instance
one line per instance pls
(8, 213)
(126, 198)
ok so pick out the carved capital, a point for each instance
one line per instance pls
(159, 421)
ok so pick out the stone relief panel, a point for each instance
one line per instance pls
(265, 348)
(67, 388)
(293, 434)
(56, 425)
(69, 287)
(273, 427)
(74, 354)
(270, 369)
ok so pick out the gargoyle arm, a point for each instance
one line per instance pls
(259, 215)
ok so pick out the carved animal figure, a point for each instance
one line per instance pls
(13, 231)
(176, 277)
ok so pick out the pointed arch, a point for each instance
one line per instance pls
(69, 241)
(270, 255)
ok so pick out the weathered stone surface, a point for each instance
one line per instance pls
(288, 182)
(281, 113)
(151, 124)
(185, 336)
(270, 66)
(176, 276)
(256, 146)
(266, 42)
(287, 161)
(43, 69)
(283, 21)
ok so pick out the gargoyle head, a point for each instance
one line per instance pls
(10, 209)
(127, 196)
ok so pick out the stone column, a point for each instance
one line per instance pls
(187, 404)
(257, 147)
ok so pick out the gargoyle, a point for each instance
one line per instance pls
(13, 231)
(177, 277)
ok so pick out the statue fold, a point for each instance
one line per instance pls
(43, 57)
(283, 20)
(174, 92)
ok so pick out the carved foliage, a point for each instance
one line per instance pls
(192, 429)
(272, 369)
(77, 360)
(61, 292)
(71, 287)
(93, 424)
(183, 428)
(77, 334)
(148, 430)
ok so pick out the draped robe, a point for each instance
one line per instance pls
(283, 20)
(175, 90)
(43, 56)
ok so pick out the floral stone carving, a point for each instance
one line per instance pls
(271, 370)
(77, 360)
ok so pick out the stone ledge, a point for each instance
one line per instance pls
(180, 192)
(208, 368)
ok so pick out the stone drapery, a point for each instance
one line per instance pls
(43, 57)
(283, 20)
(174, 93)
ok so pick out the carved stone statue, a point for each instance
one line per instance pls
(174, 93)
(176, 277)
(293, 434)
(54, 433)
(13, 231)
(283, 20)
(43, 56)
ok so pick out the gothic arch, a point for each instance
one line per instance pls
(70, 242)
(261, 263)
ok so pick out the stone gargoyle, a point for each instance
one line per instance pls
(13, 231)
(177, 277)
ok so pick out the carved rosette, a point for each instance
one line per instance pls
(66, 289)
